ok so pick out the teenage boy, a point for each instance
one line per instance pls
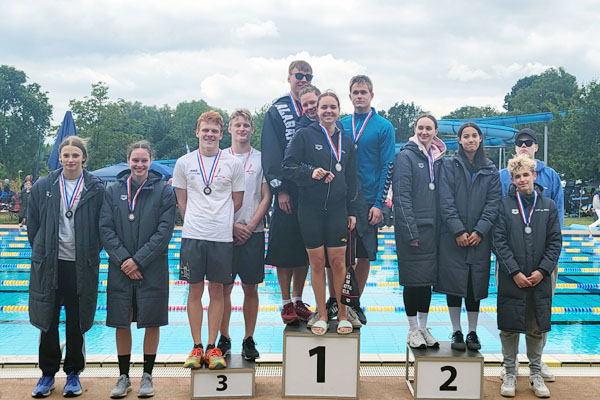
(526, 144)
(248, 234)
(373, 137)
(209, 184)
(527, 242)
(286, 248)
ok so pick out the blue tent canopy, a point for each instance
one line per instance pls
(109, 174)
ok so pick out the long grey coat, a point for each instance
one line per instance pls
(467, 204)
(518, 252)
(146, 240)
(42, 229)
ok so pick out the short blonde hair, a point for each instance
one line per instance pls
(242, 113)
(519, 162)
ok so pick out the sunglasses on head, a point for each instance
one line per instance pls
(300, 76)
(527, 143)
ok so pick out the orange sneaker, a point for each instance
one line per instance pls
(215, 358)
(195, 359)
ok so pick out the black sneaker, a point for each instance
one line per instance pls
(332, 308)
(249, 351)
(361, 315)
(473, 341)
(458, 342)
(224, 345)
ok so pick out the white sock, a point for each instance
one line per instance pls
(288, 301)
(412, 323)
(422, 318)
(473, 316)
(297, 299)
(455, 318)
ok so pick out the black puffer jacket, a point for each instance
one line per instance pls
(416, 216)
(42, 229)
(519, 252)
(146, 240)
(467, 204)
(310, 150)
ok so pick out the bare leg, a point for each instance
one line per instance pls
(284, 276)
(215, 310)
(123, 337)
(226, 310)
(330, 280)
(363, 266)
(195, 311)
(317, 277)
(151, 337)
(300, 274)
(338, 268)
(250, 308)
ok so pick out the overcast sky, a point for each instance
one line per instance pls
(440, 54)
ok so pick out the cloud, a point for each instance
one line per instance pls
(258, 30)
(464, 73)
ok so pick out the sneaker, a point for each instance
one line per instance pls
(473, 341)
(302, 311)
(536, 383)
(509, 384)
(73, 386)
(249, 351)
(146, 387)
(416, 340)
(313, 320)
(44, 387)
(224, 345)
(195, 359)
(352, 317)
(215, 358)
(361, 314)
(429, 338)
(288, 314)
(332, 308)
(546, 373)
(122, 387)
(457, 341)
(503, 370)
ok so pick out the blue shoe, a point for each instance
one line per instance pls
(44, 387)
(73, 387)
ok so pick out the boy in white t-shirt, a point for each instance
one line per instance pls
(248, 234)
(209, 184)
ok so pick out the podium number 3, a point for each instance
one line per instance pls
(446, 386)
(320, 352)
(222, 382)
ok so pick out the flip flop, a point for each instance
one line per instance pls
(344, 327)
(319, 328)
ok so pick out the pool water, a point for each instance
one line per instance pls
(575, 318)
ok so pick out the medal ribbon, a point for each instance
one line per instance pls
(131, 202)
(430, 164)
(296, 110)
(247, 157)
(78, 187)
(526, 218)
(207, 181)
(355, 136)
(337, 153)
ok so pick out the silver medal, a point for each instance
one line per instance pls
(431, 186)
(355, 146)
(338, 167)
(207, 190)
(528, 230)
(131, 217)
(69, 214)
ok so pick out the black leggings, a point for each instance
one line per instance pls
(470, 303)
(416, 298)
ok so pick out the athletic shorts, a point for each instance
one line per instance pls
(200, 259)
(249, 260)
(286, 247)
(368, 241)
(320, 227)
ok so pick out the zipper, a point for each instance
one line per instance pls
(329, 184)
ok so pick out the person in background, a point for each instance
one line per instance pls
(596, 208)
(23, 200)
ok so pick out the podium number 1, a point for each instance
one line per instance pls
(446, 386)
(320, 352)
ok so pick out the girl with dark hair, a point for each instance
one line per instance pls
(470, 195)
(137, 222)
(62, 225)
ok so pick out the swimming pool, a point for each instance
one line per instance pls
(575, 317)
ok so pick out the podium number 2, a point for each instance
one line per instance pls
(222, 382)
(320, 352)
(446, 385)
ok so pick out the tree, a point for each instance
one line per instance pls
(402, 116)
(466, 112)
(24, 121)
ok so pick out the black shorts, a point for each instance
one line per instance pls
(320, 227)
(204, 258)
(366, 245)
(350, 257)
(286, 247)
(249, 260)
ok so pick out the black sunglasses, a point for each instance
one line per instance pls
(527, 143)
(300, 76)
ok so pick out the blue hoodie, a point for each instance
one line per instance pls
(375, 151)
(549, 180)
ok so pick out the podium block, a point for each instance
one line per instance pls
(444, 373)
(237, 380)
(320, 366)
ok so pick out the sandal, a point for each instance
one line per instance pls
(344, 327)
(319, 328)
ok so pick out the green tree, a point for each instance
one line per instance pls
(466, 112)
(402, 116)
(24, 121)
(182, 129)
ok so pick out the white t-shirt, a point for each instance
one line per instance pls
(66, 226)
(209, 217)
(253, 193)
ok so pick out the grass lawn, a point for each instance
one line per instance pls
(580, 221)
(6, 218)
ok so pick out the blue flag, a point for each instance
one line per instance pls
(67, 128)
(187, 146)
